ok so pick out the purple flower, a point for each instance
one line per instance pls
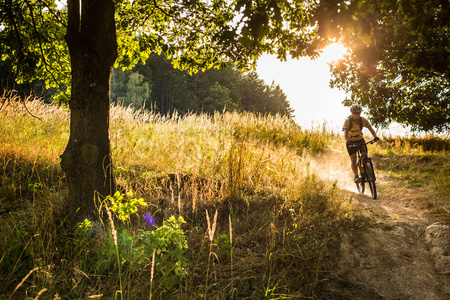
(149, 219)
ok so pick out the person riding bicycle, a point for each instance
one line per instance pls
(353, 134)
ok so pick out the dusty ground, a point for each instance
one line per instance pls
(404, 254)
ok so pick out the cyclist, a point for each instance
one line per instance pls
(352, 128)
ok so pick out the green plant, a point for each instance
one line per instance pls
(168, 242)
(223, 242)
(81, 240)
(124, 204)
(163, 249)
(35, 187)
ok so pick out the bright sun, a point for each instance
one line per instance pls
(333, 52)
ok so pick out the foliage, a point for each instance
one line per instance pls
(223, 243)
(259, 97)
(137, 92)
(402, 75)
(218, 32)
(124, 204)
(218, 99)
(32, 37)
(163, 249)
(169, 244)
(80, 235)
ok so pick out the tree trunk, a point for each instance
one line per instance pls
(86, 161)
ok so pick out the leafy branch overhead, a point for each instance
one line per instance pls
(402, 75)
(196, 34)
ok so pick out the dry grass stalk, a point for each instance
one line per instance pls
(152, 273)
(23, 280)
(211, 229)
(113, 228)
(40, 293)
(231, 243)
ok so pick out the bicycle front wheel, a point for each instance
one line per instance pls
(371, 179)
(360, 185)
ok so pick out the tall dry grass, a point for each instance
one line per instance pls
(274, 235)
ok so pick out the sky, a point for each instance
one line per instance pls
(306, 85)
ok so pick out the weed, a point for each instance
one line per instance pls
(124, 204)
(166, 245)
(81, 235)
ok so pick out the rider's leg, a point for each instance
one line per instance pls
(353, 162)
(352, 153)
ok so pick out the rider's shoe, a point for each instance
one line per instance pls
(357, 179)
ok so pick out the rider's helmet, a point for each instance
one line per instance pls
(355, 108)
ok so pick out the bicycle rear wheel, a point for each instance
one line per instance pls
(371, 179)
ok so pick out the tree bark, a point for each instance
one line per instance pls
(86, 161)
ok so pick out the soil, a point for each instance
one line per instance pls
(403, 254)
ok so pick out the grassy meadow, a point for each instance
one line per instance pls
(238, 213)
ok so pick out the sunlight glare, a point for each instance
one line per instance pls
(333, 52)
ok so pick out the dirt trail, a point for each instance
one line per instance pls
(404, 255)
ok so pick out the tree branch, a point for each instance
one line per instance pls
(46, 64)
(19, 54)
(53, 13)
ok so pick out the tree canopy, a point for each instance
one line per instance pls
(402, 73)
(195, 34)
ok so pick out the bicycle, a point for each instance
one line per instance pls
(366, 171)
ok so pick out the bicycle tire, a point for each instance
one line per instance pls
(371, 179)
(360, 185)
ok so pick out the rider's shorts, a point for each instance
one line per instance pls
(352, 150)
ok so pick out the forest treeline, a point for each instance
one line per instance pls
(159, 86)
(156, 85)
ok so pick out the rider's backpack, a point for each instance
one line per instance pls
(353, 120)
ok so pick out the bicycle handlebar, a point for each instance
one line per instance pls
(369, 142)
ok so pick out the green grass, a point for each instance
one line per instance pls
(239, 214)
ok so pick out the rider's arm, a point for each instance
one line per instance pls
(372, 131)
(346, 135)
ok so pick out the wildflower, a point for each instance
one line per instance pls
(149, 219)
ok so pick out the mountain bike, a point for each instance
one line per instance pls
(366, 171)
